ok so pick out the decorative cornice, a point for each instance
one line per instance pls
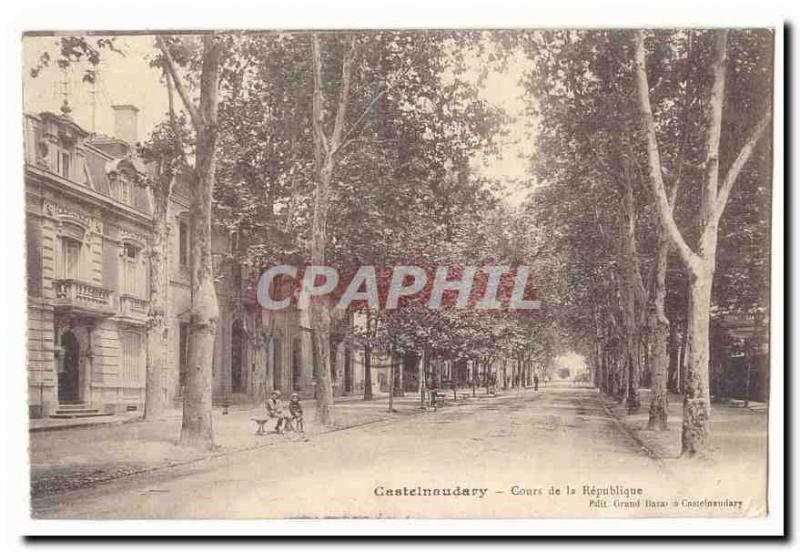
(63, 186)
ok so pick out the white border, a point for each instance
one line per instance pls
(144, 14)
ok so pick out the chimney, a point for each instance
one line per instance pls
(126, 123)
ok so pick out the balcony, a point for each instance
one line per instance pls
(83, 298)
(133, 309)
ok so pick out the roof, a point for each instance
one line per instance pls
(104, 157)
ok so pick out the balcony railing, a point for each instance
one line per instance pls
(82, 296)
(133, 307)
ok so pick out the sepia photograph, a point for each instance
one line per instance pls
(399, 273)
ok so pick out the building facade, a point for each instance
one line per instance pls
(89, 237)
(88, 227)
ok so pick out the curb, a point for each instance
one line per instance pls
(211, 455)
(412, 413)
(632, 435)
(83, 425)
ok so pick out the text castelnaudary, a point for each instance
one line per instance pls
(380, 490)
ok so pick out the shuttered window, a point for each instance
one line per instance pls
(133, 360)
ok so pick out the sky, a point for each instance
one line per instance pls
(572, 360)
(128, 79)
(123, 79)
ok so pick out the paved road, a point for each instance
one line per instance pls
(523, 442)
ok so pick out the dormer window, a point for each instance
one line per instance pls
(121, 189)
(125, 191)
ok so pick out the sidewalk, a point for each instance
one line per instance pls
(76, 457)
(735, 431)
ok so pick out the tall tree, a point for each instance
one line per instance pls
(196, 426)
(701, 261)
(326, 148)
(164, 151)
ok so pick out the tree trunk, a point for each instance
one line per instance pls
(623, 372)
(339, 365)
(157, 331)
(660, 329)
(196, 427)
(367, 372)
(391, 383)
(156, 316)
(696, 400)
(696, 406)
(631, 293)
(401, 385)
(473, 376)
(421, 371)
(674, 347)
(325, 149)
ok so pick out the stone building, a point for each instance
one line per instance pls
(88, 226)
(89, 234)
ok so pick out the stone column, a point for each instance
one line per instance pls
(86, 374)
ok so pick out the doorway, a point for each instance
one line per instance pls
(69, 377)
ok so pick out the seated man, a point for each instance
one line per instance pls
(275, 410)
(296, 412)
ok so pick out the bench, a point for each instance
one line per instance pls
(437, 399)
(261, 422)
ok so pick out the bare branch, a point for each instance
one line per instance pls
(209, 79)
(344, 95)
(716, 100)
(665, 215)
(739, 163)
(388, 87)
(194, 114)
(318, 119)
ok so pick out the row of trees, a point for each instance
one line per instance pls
(654, 170)
(356, 149)
(328, 148)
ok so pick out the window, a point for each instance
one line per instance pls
(70, 258)
(125, 191)
(120, 188)
(132, 272)
(183, 243)
(64, 164)
(133, 360)
(183, 352)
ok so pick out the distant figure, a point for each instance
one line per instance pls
(535, 382)
(275, 410)
(296, 412)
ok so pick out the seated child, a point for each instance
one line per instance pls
(296, 412)
(275, 410)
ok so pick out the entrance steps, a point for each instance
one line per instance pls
(76, 410)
